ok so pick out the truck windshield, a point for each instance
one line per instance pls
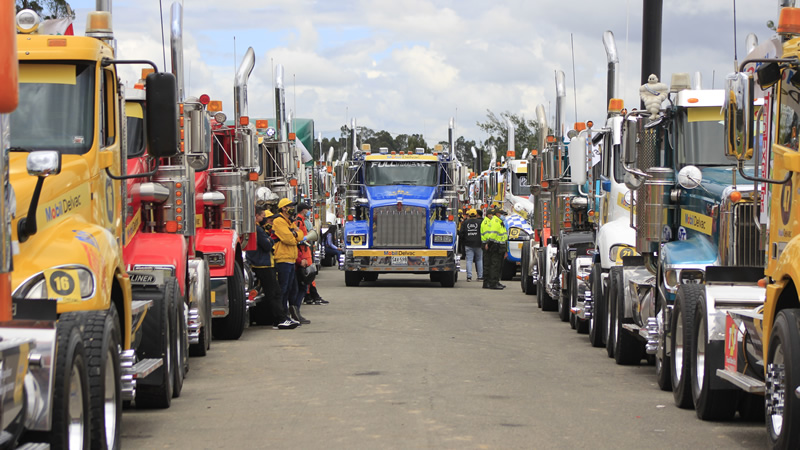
(56, 108)
(700, 140)
(135, 115)
(519, 184)
(411, 173)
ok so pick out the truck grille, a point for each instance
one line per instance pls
(747, 250)
(403, 229)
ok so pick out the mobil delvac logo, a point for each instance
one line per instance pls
(64, 206)
(69, 203)
(696, 221)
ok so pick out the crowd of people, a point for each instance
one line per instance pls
(284, 266)
(484, 244)
(283, 262)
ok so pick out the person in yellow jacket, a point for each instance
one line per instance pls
(493, 238)
(285, 252)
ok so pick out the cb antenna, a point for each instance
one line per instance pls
(735, 52)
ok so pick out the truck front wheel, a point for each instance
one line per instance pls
(155, 391)
(352, 278)
(783, 374)
(231, 326)
(709, 403)
(627, 349)
(597, 323)
(682, 325)
(101, 337)
(448, 279)
(71, 399)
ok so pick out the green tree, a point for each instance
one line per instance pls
(526, 133)
(47, 9)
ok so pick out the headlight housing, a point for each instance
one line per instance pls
(518, 234)
(357, 240)
(442, 239)
(619, 251)
(216, 259)
(36, 287)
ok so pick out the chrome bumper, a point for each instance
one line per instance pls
(219, 297)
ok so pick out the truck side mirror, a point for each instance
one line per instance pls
(739, 120)
(162, 115)
(768, 75)
(577, 159)
(630, 131)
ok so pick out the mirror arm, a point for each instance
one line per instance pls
(134, 175)
(26, 227)
(767, 60)
(763, 180)
(105, 62)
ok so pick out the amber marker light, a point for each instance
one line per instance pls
(293, 182)
(450, 218)
(736, 196)
(580, 126)
(349, 217)
(510, 154)
(214, 106)
(693, 100)
(789, 21)
(244, 121)
(56, 42)
(551, 139)
(253, 176)
(292, 136)
(172, 226)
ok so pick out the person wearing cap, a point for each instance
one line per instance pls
(261, 261)
(494, 238)
(285, 254)
(470, 236)
(304, 259)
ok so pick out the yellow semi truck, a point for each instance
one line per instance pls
(67, 141)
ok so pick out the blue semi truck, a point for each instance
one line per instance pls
(400, 215)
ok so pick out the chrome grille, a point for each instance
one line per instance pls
(399, 229)
(747, 250)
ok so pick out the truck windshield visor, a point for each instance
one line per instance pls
(410, 173)
(56, 108)
(519, 184)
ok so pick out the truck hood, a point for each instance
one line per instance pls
(389, 195)
(717, 179)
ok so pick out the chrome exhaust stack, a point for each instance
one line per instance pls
(176, 47)
(612, 56)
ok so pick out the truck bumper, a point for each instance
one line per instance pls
(219, 297)
(408, 261)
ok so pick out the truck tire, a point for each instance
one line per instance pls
(564, 301)
(627, 349)
(597, 322)
(448, 279)
(71, 398)
(751, 407)
(526, 280)
(581, 325)
(548, 302)
(709, 403)
(157, 343)
(611, 313)
(784, 349)
(232, 326)
(371, 276)
(682, 325)
(180, 343)
(509, 270)
(101, 339)
(204, 335)
(663, 376)
(353, 278)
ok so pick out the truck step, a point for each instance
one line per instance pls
(742, 381)
(145, 367)
(633, 328)
(140, 306)
(34, 446)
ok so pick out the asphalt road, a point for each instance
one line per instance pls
(404, 363)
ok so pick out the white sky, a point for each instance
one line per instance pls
(407, 66)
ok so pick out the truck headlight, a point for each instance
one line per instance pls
(36, 286)
(216, 259)
(357, 240)
(442, 239)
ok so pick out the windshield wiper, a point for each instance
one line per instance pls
(20, 149)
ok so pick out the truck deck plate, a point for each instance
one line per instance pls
(145, 367)
(745, 383)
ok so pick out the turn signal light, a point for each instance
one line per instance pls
(293, 182)
(252, 176)
(551, 139)
(244, 121)
(762, 283)
(292, 136)
(736, 196)
(450, 218)
(789, 21)
(510, 154)
(227, 223)
(349, 217)
(172, 226)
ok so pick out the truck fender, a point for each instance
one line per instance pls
(159, 249)
(617, 232)
(219, 241)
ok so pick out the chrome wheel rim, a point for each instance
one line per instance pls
(110, 402)
(700, 359)
(677, 355)
(776, 389)
(75, 409)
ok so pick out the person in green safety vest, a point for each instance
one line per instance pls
(493, 238)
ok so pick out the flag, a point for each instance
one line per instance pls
(305, 156)
(57, 27)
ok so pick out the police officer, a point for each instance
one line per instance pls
(494, 238)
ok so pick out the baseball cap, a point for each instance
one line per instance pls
(472, 212)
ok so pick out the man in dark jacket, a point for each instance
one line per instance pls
(470, 236)
(263, 267)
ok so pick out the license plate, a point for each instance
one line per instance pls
(399, 260)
